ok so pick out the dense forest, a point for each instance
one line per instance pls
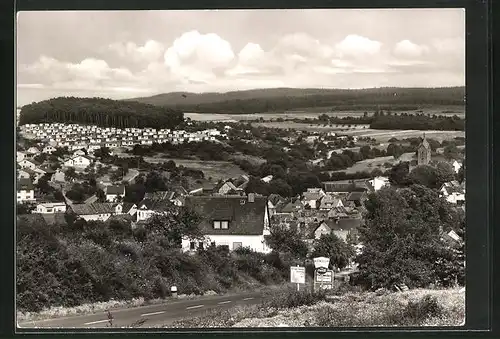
(284, 99)
(100, 112)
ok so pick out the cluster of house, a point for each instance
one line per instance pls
(75, 136)
(234, 219)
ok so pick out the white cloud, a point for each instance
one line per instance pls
(194, 56)
(357, 46)
(408, 49)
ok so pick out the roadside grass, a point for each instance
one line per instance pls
(247, 284)
(342, 307)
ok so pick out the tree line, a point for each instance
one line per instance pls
(389, 98)
(100, 112)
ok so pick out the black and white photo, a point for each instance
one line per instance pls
(240, 168)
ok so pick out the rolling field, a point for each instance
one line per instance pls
(214, 169)
(312, 114)
(385, 135)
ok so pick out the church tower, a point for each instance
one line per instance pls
(424, 153)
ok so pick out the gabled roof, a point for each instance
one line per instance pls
(275, 198)
(292, 207)
(24, 185)
(92, 209)
(333, 186)
(159, 195)
(245, 218)
(346, 224)
(355, 196)
(153, 204)
(115, 189)
(311, 196)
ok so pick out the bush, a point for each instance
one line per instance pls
(417, 311)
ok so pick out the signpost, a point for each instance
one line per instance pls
(323, 277)
(298, 275)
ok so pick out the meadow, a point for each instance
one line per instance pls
(212, 169)
(314, 113)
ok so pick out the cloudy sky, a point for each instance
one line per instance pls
(137, 53)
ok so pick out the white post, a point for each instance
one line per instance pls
(298, 285)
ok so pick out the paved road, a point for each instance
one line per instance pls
(152, 315)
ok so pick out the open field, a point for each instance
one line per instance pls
(371, 164)
(310, 127)
(385, 135)
(214, 169)
(314, 113)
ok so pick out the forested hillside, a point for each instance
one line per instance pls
(283, 99)
(100, 112)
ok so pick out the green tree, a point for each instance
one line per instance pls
(70, 174)
(331, 246)
(285, 239)
(444, 173)
(398, 175)
(451, 151)
(424, 175)
(402, 237)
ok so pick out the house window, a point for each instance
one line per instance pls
(225, 225)
(217, 225)
(192, 245)
(212, 243)
(200, 245)
(237, 245)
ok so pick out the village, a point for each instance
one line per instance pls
(232, 216)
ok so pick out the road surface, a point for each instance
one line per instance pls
(152, 315)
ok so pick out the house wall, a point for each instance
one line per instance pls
(51, 209)
(455, 198)
(20, 156)
(23, 196)
(144, 214)
(255, 242)
(111, 197)
(27, 164)
(322, 230)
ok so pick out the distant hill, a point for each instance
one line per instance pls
(100, 112)
(283, 99)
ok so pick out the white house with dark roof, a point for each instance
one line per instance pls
(230, 221)
(79, 161)
(49, 149)
(454, 192)
(49, 208)
(312, 197)
(28, 163)
(102, 211)
(33, 150)
(114, 191)
(25, 191)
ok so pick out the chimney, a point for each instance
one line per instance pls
(251, 197)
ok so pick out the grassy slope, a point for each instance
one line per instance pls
(348, 309)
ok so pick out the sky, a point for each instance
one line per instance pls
(123, 54)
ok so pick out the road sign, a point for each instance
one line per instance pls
(321, 262)
(298, 274)
(321, 270)
(327, 277)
